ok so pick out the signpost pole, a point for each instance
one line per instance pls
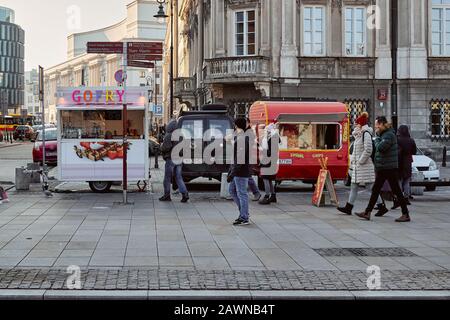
(41, 98)
(125, 124)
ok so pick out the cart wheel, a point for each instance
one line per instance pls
(100, 186)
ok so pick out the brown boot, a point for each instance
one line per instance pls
(403, 218)
(364, 215)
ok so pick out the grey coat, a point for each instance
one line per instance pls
(361, 162)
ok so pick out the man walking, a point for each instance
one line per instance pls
(386, 167)
(171, 168)
(240, 171)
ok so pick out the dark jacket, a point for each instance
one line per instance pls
(386, 154)
(168, 144)
(240, 152)
(406, 149)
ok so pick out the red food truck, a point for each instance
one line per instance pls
(308, 131)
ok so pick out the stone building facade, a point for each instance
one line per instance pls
(239, 51)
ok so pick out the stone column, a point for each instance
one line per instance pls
(219, 27)
(412, 52)
(289, 51)
(383, 64)
(275, 23)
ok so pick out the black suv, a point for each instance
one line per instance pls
(196, 123)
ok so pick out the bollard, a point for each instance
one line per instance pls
(417, 176)
(23, 179)
(224, 186)
(444, 157)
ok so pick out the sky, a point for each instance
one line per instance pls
(47, 23)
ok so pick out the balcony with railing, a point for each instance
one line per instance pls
(337, 67)
(184, 86)
(237, 69)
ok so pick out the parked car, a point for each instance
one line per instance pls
(212, 118)
(23, 132)
(38, 128)
(51, 146)
(427, 166)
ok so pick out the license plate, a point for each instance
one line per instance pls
(285, 161)
(51, 154)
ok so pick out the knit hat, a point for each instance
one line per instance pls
(363, 119)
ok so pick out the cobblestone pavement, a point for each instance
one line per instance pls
(153, 279)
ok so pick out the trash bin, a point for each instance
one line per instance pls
(23, 179)
(35, 175)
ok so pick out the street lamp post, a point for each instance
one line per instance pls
(162, 15)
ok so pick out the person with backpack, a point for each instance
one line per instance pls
(361, 162)
(386, 168)
(171, 169)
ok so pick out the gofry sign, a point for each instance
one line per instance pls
(98, 96)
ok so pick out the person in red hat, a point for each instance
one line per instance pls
(361, 164)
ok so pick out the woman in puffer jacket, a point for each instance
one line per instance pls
(363, 169)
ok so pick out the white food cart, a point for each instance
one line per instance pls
(90, 135)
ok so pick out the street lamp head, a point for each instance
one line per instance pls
(161, 15)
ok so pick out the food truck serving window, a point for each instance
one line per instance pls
(100, 124)
(310, 136)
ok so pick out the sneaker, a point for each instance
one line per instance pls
(240, 222)
(256, 197)
(265, 200)
(165, 198)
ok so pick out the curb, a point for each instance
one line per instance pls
(10, 145)
(243, 295)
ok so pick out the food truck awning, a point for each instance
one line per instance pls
(319, 117)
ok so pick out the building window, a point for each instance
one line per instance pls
(355, 107)
(440, 118)
(355, 31)
(440, 28)
(245, 33)
(313, 30)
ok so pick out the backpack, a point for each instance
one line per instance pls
(372, 156)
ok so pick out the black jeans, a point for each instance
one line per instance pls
(391, 176)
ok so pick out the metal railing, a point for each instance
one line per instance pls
(237, 67)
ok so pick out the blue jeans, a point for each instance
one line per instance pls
(252, 186)
(169, 170)
(238, 191)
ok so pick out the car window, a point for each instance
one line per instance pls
(218, 128)
(49, 135)
(192, 129)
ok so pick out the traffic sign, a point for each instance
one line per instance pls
(105, 47)
(118, 76)
(140, 64)
(146, 57)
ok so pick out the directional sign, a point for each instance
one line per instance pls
(140, 64)
(144, 46)
(105, 47)
(147, 57)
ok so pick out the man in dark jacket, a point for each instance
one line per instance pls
(386, 167)
(240, 171)
(171, 168)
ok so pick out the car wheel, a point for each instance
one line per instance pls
(430, 188)
(100, 186)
